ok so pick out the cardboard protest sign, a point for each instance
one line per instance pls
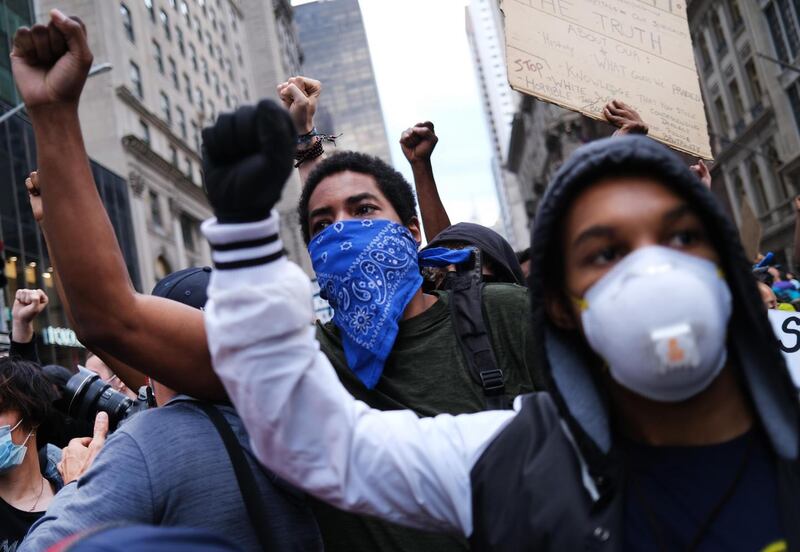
(749, 230)
(581, 54)
(786, 326)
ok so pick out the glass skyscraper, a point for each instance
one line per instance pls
(26, 263)
(336, 52)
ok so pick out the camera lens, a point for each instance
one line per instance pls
(90, 395)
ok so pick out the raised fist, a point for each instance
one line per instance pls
(50, 63)
(247, 157)
(300, 96)
(418, 142)
(28, 303)
(35, 196)
(625, 118)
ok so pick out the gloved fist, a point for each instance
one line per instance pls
(247, 157)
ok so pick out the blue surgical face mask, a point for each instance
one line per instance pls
(368, 271)
(11, 455)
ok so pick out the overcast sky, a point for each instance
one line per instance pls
(424, 71)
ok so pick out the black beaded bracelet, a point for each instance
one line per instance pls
(311, 153)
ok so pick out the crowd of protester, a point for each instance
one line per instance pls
(615, 386)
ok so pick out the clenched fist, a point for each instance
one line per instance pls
(28, 304)
(300, 96)
(418, 142)
(247, 157)
(50, 63)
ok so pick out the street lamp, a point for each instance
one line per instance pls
(95, 70)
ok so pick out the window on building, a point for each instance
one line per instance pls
(215, 80)
(212, 112)
(722, 115)
(173, 156)
(166, 108)
(196, 136)
(181, 116)
(186, 14)
(738, 103)
(716, 30)
(213, 17)
(234, 23)
(203, 6)
(227, 95)
(148, 4)
(210, 44)
(188, 229)
(127, 22)
(753, 80)
(219, 54)
(239, 55)
(757, 180)
(193, 57)
(157, 55)
(794, 101)
(702, 46)
(165, 25)
(173, 4)
(783, 25)
(737, 22)
(245, 91)
(199, 97)
(187, 86)
(155, 210)
(179, 39)
(173, 73)
(144, 129)
(206, 75)
(198, 29)
(136, 80)
(163, 268)
(189, 168)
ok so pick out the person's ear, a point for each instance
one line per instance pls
(413, 226)
(559, 312)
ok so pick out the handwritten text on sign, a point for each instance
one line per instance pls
(786, 326)
(581, 54)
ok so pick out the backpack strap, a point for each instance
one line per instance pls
(466, 312)
(244, 475)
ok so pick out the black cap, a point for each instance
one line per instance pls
(187, 286)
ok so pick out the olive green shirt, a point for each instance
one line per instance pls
(426, 372)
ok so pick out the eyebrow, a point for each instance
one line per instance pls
(352, 200)
(594, 232)
(680, 211)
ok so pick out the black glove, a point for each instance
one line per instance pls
(247, 157)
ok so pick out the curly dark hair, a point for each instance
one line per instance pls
(390, 182)
(25, 389)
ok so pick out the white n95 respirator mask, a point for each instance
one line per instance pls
(659, 319)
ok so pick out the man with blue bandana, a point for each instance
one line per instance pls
(393, 346)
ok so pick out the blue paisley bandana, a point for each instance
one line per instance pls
(368, 271)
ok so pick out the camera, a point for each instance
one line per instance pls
(84, 394)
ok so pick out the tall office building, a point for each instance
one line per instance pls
(26, 263)
(484, 27)
(748, 57)
(177, 64)
(276, 55)
(336, 52)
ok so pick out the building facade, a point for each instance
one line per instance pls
(276, 55)
(176, 64)
(336, 52)
(484, 26)
(747, 56)
(26, 264)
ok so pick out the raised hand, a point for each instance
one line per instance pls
(625, 118)
(78, 456)
(418, 142)
(700, 169)
(28, 304)
(300, 96)
(50, 63)
(247, 157)
(35, 196)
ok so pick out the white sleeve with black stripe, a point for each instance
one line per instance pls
(303, 424)
(242, 245)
